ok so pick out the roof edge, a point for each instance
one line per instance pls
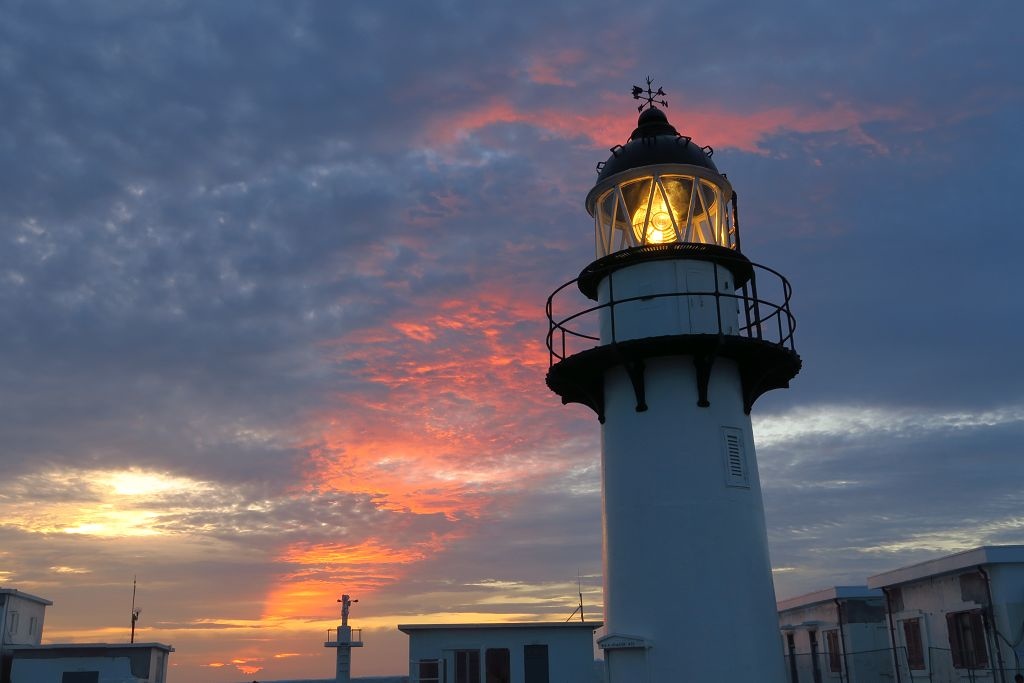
(78, 646)
(829, 594)
(27, 596)
(406, 628)
(982, 555)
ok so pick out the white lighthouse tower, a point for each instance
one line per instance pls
(345, 638)
(682, 335)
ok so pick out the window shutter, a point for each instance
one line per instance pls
(978, 644)
(955, 644)
(735, 454)
(915, 646)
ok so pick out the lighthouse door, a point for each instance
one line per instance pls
(711, 308)
(700, 306)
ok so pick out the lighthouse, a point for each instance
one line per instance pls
(675, 337)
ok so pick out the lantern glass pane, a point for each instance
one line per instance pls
(705, 216)
(662, 208)
(607, 208)
(678, 188)
(637, 195)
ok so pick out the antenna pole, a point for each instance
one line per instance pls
(579, 588)
(135, 612)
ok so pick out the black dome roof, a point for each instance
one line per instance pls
(655, 141)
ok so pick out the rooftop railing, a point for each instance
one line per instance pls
(574, 321)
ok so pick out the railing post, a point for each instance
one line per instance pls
(746, 307)
(718, 300)
(757, 305)
(611, 303)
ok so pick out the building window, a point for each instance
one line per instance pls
(12, 623)
(467, 666)
(967, 639)
(835, 664)
(535, 663)
(812, 637)
(794, 677)
(430, 671)
(498, 666)
(914, 644)
(80, 677)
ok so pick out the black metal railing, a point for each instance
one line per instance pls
(763, 319)
(890, 665)
(355, 636)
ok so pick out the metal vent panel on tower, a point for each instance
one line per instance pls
(735, 458)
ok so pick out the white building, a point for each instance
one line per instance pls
(837, 634)
(22, 617)
(21, 623)
(90, 663)
(537, 652)
(23, 659)
(959, 617)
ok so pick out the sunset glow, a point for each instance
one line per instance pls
(274, 283)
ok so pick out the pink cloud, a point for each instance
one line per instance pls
(608, 124)
(459, 394)
(550, 68)
(454, 418)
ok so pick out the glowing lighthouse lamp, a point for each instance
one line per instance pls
(672, 354)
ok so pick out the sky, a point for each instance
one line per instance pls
(272, 285)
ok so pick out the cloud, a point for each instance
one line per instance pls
(859, 422)
(273, 290)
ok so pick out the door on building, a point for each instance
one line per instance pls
(791, 648)
(467, 666)
(815, 664)
(498, 666)
(535, 664)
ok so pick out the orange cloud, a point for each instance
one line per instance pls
(454, 416)
(608, 124)
(242, 665)
(549, 69)
(361, 568)
(371, 551)
(460, 394)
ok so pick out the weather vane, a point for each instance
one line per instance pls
(649, 96)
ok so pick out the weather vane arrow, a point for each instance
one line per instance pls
(649, 96)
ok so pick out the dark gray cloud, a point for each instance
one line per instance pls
(213, 219)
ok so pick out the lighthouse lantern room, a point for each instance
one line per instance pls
(682, 333)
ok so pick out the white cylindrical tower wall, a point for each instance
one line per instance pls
(686, 564)
(663, 307)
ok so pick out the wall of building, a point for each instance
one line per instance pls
(22, 620)
(932, 599)
(1008, 596)
(570, 650)
(139, 663)
(866, 657)
(52, 670)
